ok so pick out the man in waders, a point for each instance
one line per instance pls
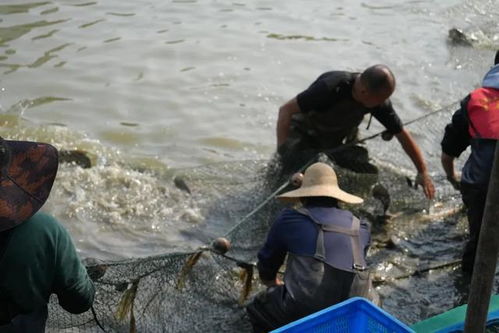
(326, 248)
(326, 115)
(37, 256)
(475, 124)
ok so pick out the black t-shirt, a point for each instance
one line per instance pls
(334, 87)
(457, 138)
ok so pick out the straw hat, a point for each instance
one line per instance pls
(320, 180)
(28, 170)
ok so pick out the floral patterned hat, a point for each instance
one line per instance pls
(28, 171)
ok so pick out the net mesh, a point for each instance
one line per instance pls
(205, 291)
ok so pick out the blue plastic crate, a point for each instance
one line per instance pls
(353, 315)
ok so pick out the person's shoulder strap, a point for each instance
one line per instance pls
(358, 259)
(359, 263)
(327, 227)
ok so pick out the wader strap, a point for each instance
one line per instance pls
(358, 258)
(353, 232)
(320, 249)
(333, 228)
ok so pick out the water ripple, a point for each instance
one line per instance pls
(47, 56)
(112, 40)
(8, 34)
(46, 100)
(86, 25)
(365, 5)
(175, 41)
(121, 14)
(47, 35)
(85, 4)
(50, 11)
(307, 38)
(17, 9)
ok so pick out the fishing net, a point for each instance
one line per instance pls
(205, 291)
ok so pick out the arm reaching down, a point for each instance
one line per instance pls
(448, 165)
(284, 120)
(413, 151)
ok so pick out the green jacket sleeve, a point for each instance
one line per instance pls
(74, 288)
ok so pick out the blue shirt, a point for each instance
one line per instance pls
(296, 233)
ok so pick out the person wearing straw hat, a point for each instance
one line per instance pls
(325, 118)
(326, 251)
(37, 256)
(474, 124)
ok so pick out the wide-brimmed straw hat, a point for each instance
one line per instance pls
(320, 180)
(28, 171)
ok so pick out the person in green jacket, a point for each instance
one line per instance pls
(37, 256)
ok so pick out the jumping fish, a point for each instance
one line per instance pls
(458, 37)
(181, 184)
(78, 157)
(381, 193)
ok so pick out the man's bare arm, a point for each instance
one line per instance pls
(272, 283)
(450, 172)
(413, 151)
(284, 120)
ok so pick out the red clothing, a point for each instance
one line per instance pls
(483, 113)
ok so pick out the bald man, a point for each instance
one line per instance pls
(324, 116)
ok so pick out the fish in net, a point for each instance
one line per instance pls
(205, 290)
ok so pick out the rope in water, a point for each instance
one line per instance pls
(245, 265)
(286, 183)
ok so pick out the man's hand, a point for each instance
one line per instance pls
(448, 165)
(273, 283)
(413, 151)
(424, 180)
(455, 182)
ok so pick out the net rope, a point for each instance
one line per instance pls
(205, 291)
